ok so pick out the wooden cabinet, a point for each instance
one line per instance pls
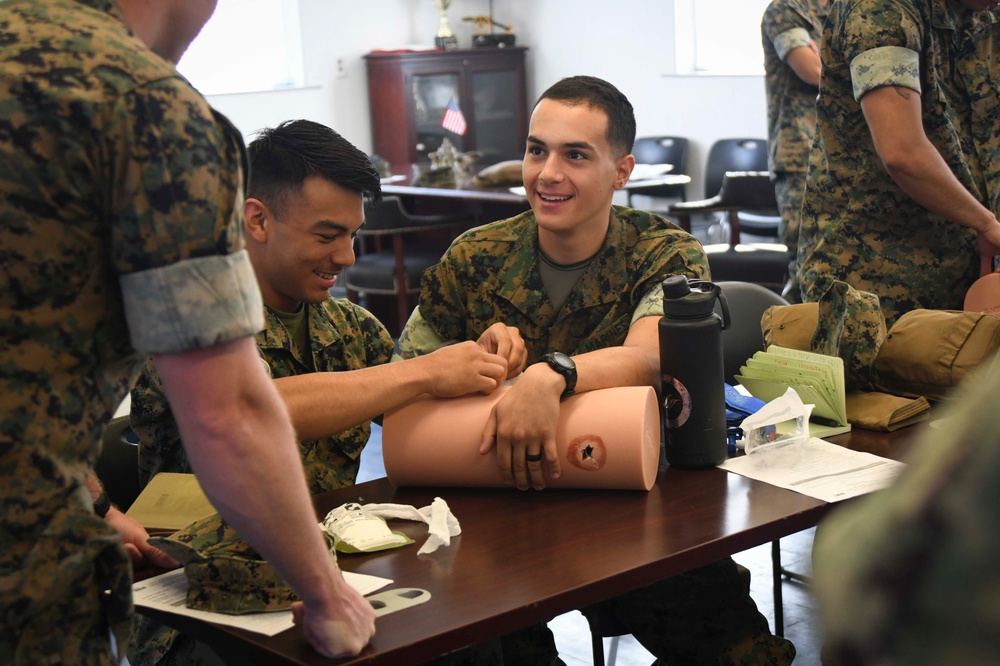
(409, 92)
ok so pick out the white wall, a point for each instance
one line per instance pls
(629, 43)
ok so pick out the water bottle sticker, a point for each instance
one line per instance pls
(676, 402)
(587, 452)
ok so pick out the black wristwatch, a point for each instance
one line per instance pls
(102, 504)
(565, 366)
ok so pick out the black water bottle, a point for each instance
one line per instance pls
(694, 402)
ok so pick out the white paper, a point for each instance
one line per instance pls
(168, 592)
(648, 171)
(819, 469)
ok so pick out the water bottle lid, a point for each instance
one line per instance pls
(688, 300)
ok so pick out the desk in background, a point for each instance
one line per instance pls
(489, 203)
(525, 557)
(485, 202)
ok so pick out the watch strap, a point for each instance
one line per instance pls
(102, 504)
(565, 367)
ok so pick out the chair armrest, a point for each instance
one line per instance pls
(741, 190)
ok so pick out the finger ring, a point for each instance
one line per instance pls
(537, 457)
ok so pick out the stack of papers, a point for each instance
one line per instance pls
(818, 379)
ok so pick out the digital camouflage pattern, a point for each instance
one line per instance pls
(858, 226)
(908, 575)
(343, 336)
(490, 274)
(110, 164)
(791, 104)
(224, 573)
(850, 325)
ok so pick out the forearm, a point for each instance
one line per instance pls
(242, 448)
(324, 403)
(925, 177)
(895, 120)
(94, 487)
(635, 363)
(806, 64)
(616, 366)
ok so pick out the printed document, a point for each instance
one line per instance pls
(818, 469)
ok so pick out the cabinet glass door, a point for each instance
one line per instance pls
(497, 120)
(431, 94)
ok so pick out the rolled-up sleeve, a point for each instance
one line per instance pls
(192, 304)
(177, 237)
(885, 66)
(791, 39)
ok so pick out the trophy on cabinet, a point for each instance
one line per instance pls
(445, 37)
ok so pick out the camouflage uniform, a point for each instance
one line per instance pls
(121, 194)
(491, 274)
(909, 574)
(857, 224)
(791, 104)
(343, 336)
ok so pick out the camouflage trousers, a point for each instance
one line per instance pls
(789, 190)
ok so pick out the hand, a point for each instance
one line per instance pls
(989, 241)
(136, 540)
(342, 630)
(463, 368)
(507, 342)
(524, 423)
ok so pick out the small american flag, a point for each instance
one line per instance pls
(453, 120)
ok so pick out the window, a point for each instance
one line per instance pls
(719, 37)
(247, 46)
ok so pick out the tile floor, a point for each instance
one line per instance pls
(573, 635)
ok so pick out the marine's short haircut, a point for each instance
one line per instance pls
(599, 94)
(283, 157)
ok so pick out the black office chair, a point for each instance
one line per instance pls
(737, 171)
(396, 270)
(744, 337)
(662, 150)
(118, 465)
(748, 206)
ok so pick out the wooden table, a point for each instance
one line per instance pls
(525, 557)
(489, 203)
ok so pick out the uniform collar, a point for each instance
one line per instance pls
(321, 334)
(522, 285)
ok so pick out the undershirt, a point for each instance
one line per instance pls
(559, 279)
(298, 330)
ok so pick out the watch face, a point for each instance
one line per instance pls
(563, 361)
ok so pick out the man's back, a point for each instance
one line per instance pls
(84, 177)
